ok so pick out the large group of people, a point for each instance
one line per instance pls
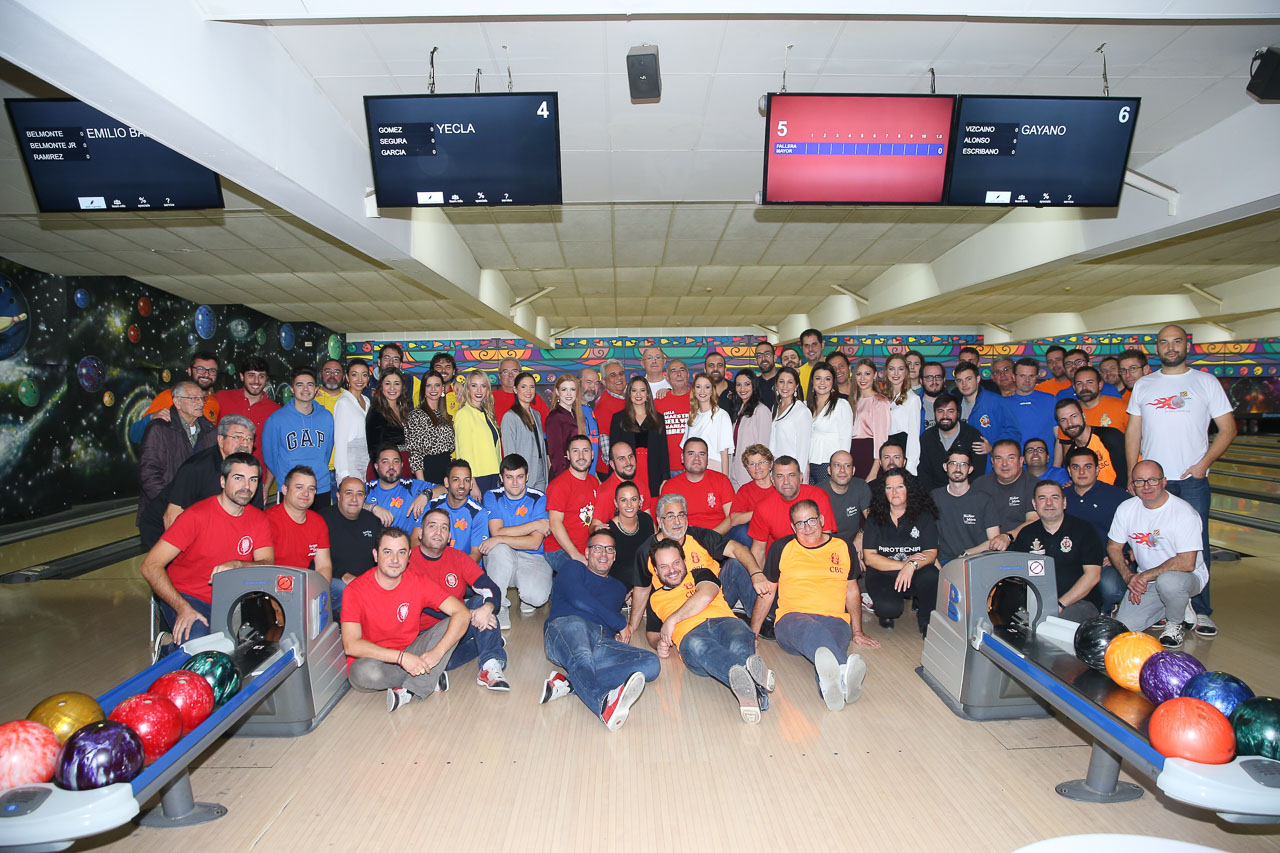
(780, 502)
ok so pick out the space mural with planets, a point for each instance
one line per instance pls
(82, 357)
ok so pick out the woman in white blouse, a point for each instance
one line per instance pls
(832, 428)
(710, 423)
(350, 446)
(792, 422)
(904, 409)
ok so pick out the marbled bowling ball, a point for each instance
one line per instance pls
(239, 328)
(91, 373)
(1125, 656)
(99, 754)
(189, 692)
(28, 392)
(108, 399)
(206, 322)
(154, 719)
(1256, 723)
(261, 337)
(1092, 638)
(287, 337)
(220, 671)
(334, 346)
(28, 753)
(1220, 689)
(1165, 674)
(66, 713)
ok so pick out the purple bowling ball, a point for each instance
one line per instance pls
(98, 755)
(1165, 674)
(1220, 689)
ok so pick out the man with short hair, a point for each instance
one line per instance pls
(892, 455)
(203, 370)
(933, 382)
(1109, 370)
(166, 444)
(1164, 532)
(251, 401)
(218, 533)
(938, 440)
(1010, 490)
(1096, 503)
(352, 531)
(970, 355)
(332, 372)
(1032, 409)
(447, 366)
(300, 433)
(589, 382)
(299, 535)
(767, 367)
(709, 494)
(716, 369)
(1133, 366)
(1169, 415)
(571, 499)
(1075, 549)
(758, 460)
(674, 409)
(1035, 454)
(1107, 443)
(395, 500)
(468, 522)
(654, 361)
(462, 579)
(1058, 380)
(1099, 410)
(387, 650)
(811, 341)
(1073, 360)
(814, 578)
(504, 395)
(915, 366)
(1002, 374)
(518, 527)
(850, 498)
(771, 520)
(587, 636)
(622, 462)
(687, 612)
(609, 403)
(983, 409)
(967, 518)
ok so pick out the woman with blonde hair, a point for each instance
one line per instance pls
(567, 418)
(710, 423)
(476, 433)
(870, 420)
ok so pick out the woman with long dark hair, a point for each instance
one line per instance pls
(792, 422)
(350, 444)
(387, 415)
(832, 428)
(900, 548)
(752, 423)
(428, 431)
(640, 425)
(522, 431)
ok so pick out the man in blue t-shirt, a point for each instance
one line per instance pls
(518, 524)
(1032, 409)
(1095, 502)
(468, 521)
(396, 502)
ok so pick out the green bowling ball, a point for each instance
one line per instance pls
(220, 671)
(1257, 725)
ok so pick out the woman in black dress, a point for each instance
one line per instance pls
(640, 425)
(387, 415)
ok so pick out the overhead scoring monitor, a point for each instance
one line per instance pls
(458, 150)
(1041, 151)
(856, 149)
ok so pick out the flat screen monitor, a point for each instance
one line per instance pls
(1041, 151)
(79, 158)
(463, 150)
(856, 149)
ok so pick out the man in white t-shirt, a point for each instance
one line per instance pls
(1164, 532)
(1169, 414)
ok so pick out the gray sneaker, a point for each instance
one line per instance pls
(829, 679)
(397, 697)
(1172, 635)
(504, 619)
(1205, 626)
(851, 676)
(760, 672)
(744, 688)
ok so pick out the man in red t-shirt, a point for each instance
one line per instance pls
(460, 576)
(772, 518)
(612, 399)
(673, 405)
(571, 500)
(250, 400)
(709, 494)
(504, 396)
(218, 533)
(622, 459)
(758, 461)
(300, 536)
(386, 648)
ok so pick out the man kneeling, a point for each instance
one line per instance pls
(587, 636)
(687, 612)
(819, 604)
(380, 613)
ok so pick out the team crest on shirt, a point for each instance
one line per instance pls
(1106, 421)
(711, 500)
(915, 533)
(1065, 545)
(451, 579)
(402, 612)
(396, 502)
(522, 510)
(1177, 401)
(1036, 547)
(460, 523)
(985, 421)
(245, 546)
(584, 514)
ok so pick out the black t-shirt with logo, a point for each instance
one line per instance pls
(1073, 547)
(901, 540)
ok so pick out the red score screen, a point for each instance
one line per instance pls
(857, 149)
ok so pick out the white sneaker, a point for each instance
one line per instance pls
(442, 685)
(760, 673)
(1205, 626)
(492, 676)
(744, 689)
(504, 619)
(866, 604)
(829, 679)
(526, 608)
(618, 702)
(556, 686)
(1171, 636)
(398, 697)
(851, 676)
(1189, 617)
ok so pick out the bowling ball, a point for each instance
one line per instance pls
(100, 754)
(1191, 729)
(154, 719)
(220, 671)
(1092, 638)
(66, 713)
(91, 373)
(206, 322)
(189, 692)
(1220, 689)
(1125, 656)
(28, 753)
(1165, 674)
(287, 336)
(144, 306)
(1257, 726)
(134, 334)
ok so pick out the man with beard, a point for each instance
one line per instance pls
(1169, 415)
(1099, 409)
(608, 404)
(1109, 370)
(251, 400)
(811, 341)
(771, 519)
(1057, 381)
(674, 408)
(709, 494)
(395, 501)
(1133, 366)
(468, 521)
(933, 381)
(204, 372)
(571, 500)
(216, 534)
(445, 364)
(767, 364)
(1107, 443)
(331, 373)
(589, 382)
(622, 459)
(1096, 503)
(967, 521)
(949, 432)
(299, 535)
(716, 369)
(892, 455)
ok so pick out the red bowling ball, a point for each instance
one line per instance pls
(154, 718)
(28, 753)
(190, 692)
(1192, 729)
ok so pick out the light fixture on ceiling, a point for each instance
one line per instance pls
(643, 75)
(768, 330)
(527, 299)
(997, 326)
(764, 99)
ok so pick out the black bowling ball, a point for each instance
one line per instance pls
(1092, 638)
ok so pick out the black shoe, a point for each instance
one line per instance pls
(766, 630)
(887, 624)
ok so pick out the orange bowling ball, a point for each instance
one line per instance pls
(1125, 656)
(67, 713)
(1191, 729)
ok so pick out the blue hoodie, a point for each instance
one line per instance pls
(291, 438)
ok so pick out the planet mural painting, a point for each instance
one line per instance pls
(15, 320)
(82, 298)
(91, 373)
(206, 322)
(287, 337)
(239, 328)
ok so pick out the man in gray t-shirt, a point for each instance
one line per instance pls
(850, 497)
(966, 517)
(1011, 491)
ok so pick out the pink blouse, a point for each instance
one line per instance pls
(871, 420)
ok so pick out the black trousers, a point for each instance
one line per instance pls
(888, 603)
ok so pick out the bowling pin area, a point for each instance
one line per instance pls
(897, 770)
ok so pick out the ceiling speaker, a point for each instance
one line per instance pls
(642, 74)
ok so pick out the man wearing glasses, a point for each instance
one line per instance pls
(1133, 366)
(204, 372)
(819, 604)
(1002, 373)
(1164, 532)
(587, 636)
(169, 442)
(968, 521)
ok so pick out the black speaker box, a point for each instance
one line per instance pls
(642, 73)
(1264, 84)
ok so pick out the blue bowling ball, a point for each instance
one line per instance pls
(1220, 689)
(206, 322)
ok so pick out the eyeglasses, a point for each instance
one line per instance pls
(674, 516)
(608, 549)
(204, 370)
(806, 522)
(1133, 368)
(186, 397)
(1148, 481)
(955, 464)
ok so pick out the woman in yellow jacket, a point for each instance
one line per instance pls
(478, 439)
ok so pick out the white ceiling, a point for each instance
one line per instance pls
(658, 221)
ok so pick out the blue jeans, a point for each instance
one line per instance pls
(713, 647)
(738, 533)
(479, 645)
(198, 629)
(804, 633)
(336, 586)
(735, 584)
(593, 660)
(1195, 491)
(1112, 589)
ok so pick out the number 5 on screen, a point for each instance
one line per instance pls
(782, 128)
